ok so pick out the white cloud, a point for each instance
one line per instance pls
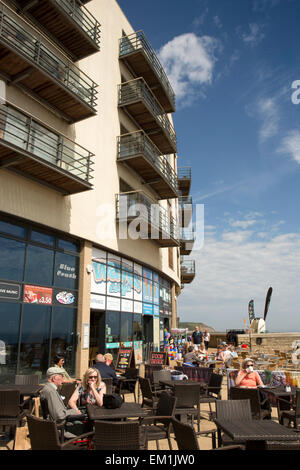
(254, 36)
(242, 223)
(189, 62)
(291, 145)
(231, 270)
(217, 22)
(267, 111)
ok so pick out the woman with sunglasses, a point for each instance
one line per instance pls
(247, 377)
(91, 391)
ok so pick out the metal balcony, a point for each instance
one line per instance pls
(187, 270)
(36, 152)
(184, 175)
(138, 100)
(68, 22)
(140, 154)
(154, 221)
(26, 62)
(187, 239)
(138, 55)
(185, 206)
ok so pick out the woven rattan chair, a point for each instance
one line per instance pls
(109, 385)
(186, 437)
(292, 415)
(114, 436)
(256, 403)
(160, 375)
(161, 419)
(32, 379)
(66, 391)
(230, 410)
(128, 385)
(149, 399)
(188, 401)
(212, 391)
(11, 411)
(44, 435)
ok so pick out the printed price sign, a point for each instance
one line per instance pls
(158, 358)
(37, 295)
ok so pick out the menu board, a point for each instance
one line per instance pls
(125, 359)
(158, 358)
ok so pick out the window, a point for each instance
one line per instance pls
(137, 327)
(63, 336)
(43, 238)
(39, 266)
(112, 327)
(12, 259)
(171, 258)
(9, 321)
(12, 229)
(124, 187)
(126, 326)
(66, 271)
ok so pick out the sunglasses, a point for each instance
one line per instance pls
(250, 365)
(93, 377)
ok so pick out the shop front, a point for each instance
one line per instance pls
(126, 301)
(39, 273)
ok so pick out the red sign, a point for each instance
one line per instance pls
(158, 358)
(37, 295)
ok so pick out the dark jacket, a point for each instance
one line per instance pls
(106, 372)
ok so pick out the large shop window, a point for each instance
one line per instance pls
(63, 339)
(9, 334)
(39, 266)
(35, 333)
(137, 327)
(126, 327)
(12, 259)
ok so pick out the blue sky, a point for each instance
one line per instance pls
(232, 64)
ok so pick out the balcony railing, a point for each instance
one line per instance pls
(137, 144)
(34, 150)
(187, 269)
(187, 239)
(184, 174)
(69, 22)
(23, 43)
(138, 42)
(136, 91)
(162, 227)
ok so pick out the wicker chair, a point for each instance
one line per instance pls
(149, 399)
(237, 393)
(11, 411)
(33, 379)
(44, 436)
(114, 436)
(162, 415)
(66, 391)
(232, 410)
(128, 385)
(186, 437)
(293, 415)
(160, 375)
(188, 401)
(212, 391)
(109, 385)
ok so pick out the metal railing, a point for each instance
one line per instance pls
(138, 90)
(138, 40)
(184, 172)
(82, 18)
(24, 43)
(185, 202)
(137, 204)
(187, 266)
(28, 136)
(138, 142)
(187, 235)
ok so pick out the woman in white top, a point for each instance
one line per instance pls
(206, 339)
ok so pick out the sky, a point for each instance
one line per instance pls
(235, 68)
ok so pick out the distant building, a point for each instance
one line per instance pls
(86, 141)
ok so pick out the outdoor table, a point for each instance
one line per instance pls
(24, 389)
(255, 430)
(126, 410)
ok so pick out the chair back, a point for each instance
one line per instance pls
(131, 373)
(117, 435)
(233, 410)
(187, 395)
(297, 410)
(43, 434)
(166, 404)
(145, 388)
(44, 408)
(109, 385)
(33, 379)
(66, 391)
(9, 403)
(185, 436)
(251, 394)
(215, 383)
(161, 375)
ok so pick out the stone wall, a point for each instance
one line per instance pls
(265, 342)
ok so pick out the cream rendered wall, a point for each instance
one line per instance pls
(87, 214)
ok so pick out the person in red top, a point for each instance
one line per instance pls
(247, 377)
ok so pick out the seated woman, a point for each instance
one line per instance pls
(202, 351)
(59, 361)
(91, 391)
(247, 377)
(190, 356)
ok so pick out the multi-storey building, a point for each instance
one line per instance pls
(87, 162)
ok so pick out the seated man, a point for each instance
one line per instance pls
(190, 356)
(57, 410)
(106, 371)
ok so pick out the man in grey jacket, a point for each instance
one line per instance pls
(57, 410)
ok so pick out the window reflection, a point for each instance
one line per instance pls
(112, 327)
(39, 266)
(63, 336)
(11, 259)
(126, 326)
(34, 339)
(137, 327)
(9, 334)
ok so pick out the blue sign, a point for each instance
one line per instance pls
(147, 309)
